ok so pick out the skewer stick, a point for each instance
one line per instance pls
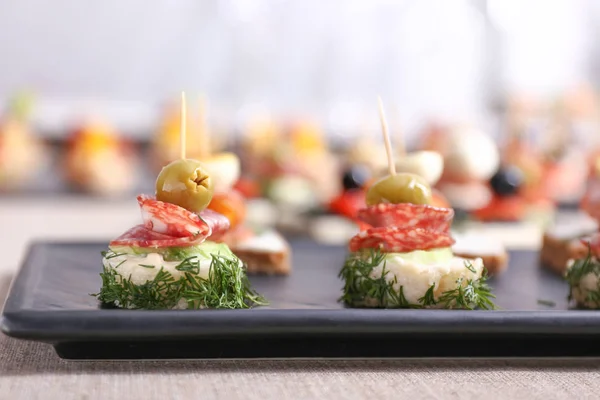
(386, 138)
(183, 127)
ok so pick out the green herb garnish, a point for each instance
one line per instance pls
(365, 288)
(474, 294)
(111, 254)
(470, 267)
(226, 286)
(190, 264)
(428, 298)
(578, 271)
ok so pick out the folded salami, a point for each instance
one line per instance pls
(395, 239)
(408, 215)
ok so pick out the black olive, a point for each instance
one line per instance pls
(507, 181)
(356, 177)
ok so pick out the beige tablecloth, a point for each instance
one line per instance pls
(31, 370)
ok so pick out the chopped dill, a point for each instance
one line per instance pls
(367, 284)
(190, 264)
(397, 299)
(146, 265)
(428, 298)
(227, 286)
(111, 254)
(585, 297)
(474, 294)
(470, 267)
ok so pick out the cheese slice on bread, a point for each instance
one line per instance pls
(263, 253)
(562, 242)
(491, 251)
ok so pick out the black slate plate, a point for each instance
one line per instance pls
(49, 301)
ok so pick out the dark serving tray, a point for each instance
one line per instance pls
(49, 301)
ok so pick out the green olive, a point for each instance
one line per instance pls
(185, 183)
(399, 188)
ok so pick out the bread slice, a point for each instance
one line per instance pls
(266, 253)
(562, 242)
(556, 252)
(492, 252)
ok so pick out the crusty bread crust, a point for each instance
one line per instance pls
(259, 261)
(265, 262)
(495, 264)
(556, 253)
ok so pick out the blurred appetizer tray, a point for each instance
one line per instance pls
(50, 301)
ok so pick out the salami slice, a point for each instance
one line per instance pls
(407, 215)
(140, 236)
(168, 225)
(218, 223)
(171, 219)
(176, 221)
(393, 239)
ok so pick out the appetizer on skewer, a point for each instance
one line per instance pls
(566, 241)
(405, 260)
(582, 270)
(97, 161)
(22, 154)
(583, 275)
(173, 260)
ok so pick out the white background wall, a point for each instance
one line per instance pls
(326, 58)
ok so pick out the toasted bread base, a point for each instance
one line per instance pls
(556, 253)
(260, 258)
(495, 264)
(265, 262)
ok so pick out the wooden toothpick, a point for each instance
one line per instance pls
(386, 138)
(183, 127)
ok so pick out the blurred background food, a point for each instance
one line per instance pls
(494, 103)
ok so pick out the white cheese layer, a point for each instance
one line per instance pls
(416, 277)
(269, 242)
(581, 291)
(477, 244)
(575, 226)
(130, 266)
